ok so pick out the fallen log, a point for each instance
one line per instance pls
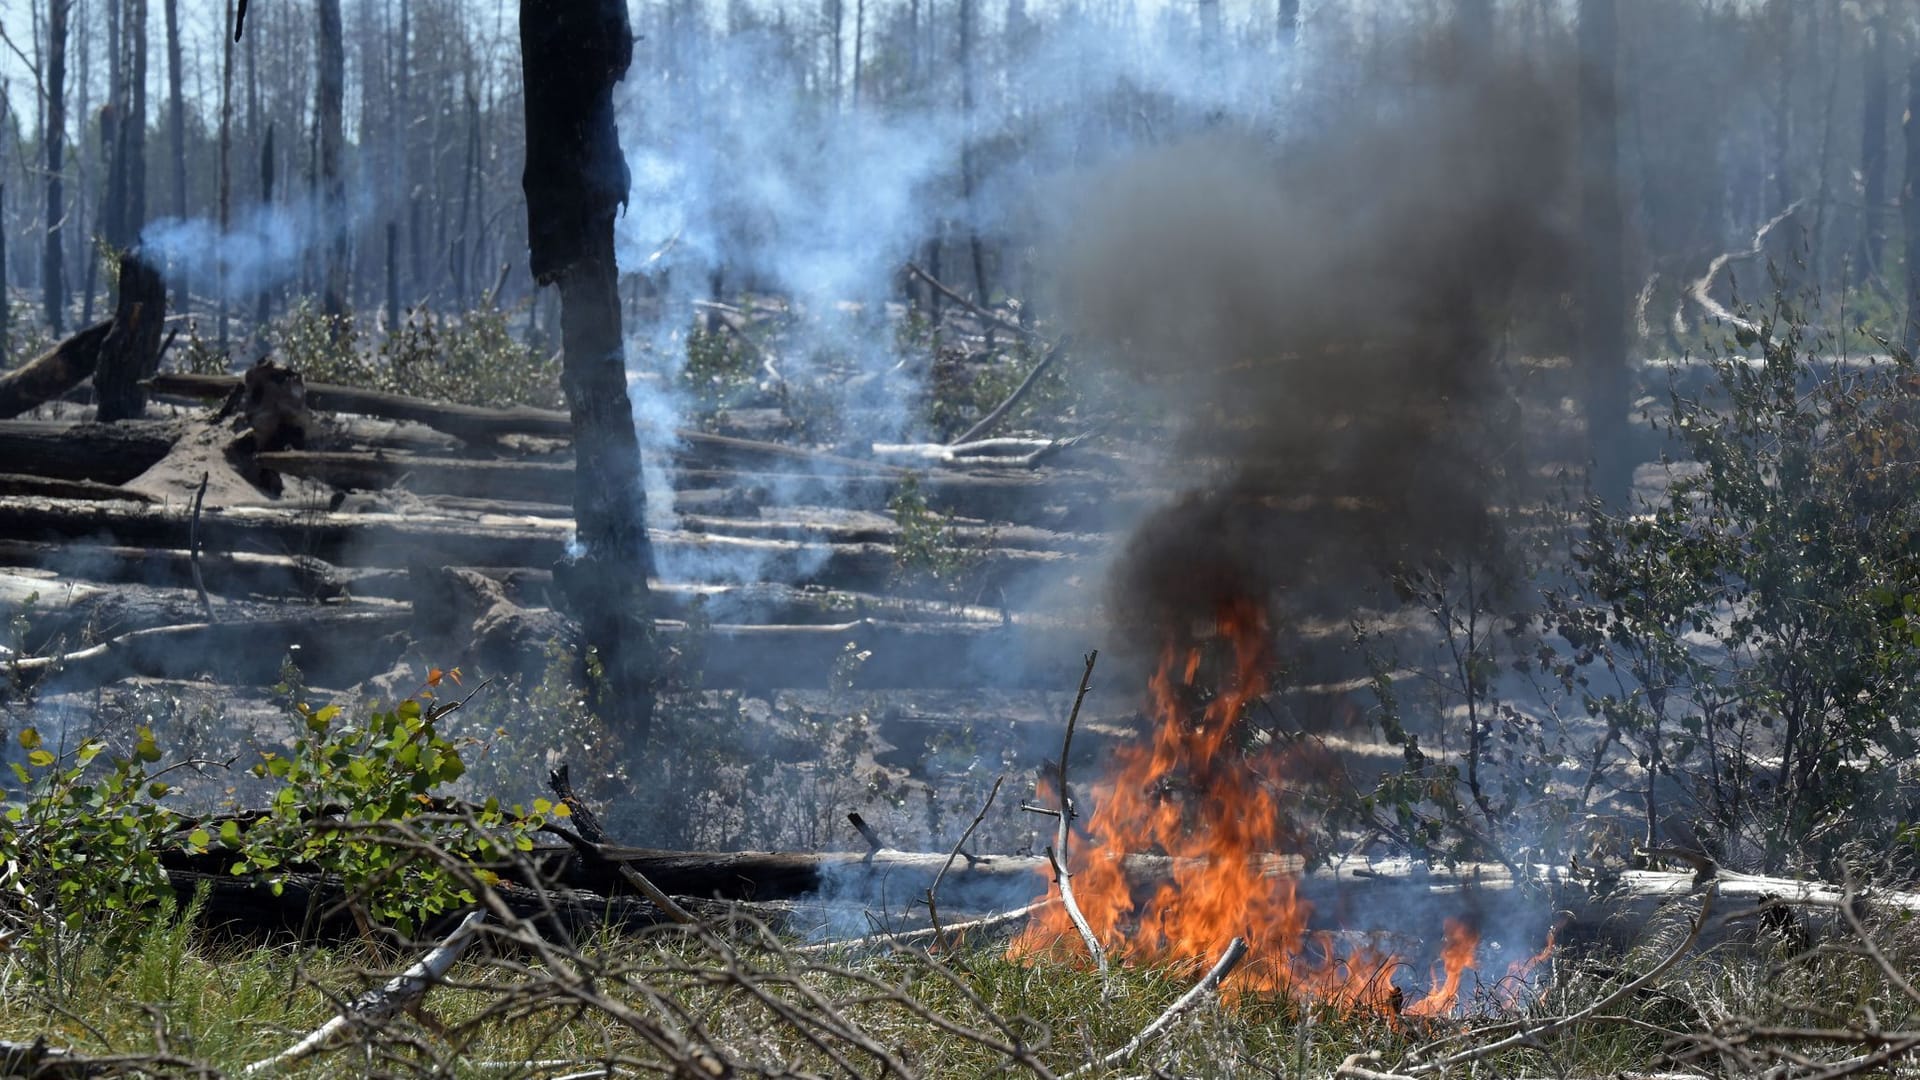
(1017, 498)
(389, 539)
(250, 573)
(240, 573)
(331, 647)
(49, 488)
(478, 424)
(54, 372)
(102, 453)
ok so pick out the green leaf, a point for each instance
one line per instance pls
(29, 739)
(198, 839)
(40, 758)
(230, 832)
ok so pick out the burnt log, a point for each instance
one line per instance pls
(241, 573)
(484, 426)
(102, 453)
(54, 372)
(399, 540)
(49, 488)
(332, 647)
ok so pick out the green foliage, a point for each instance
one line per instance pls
(930, 551)
(354, 798)
(469, 359)
(1747, 634)
(80, 835)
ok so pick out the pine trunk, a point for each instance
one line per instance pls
(573, 52)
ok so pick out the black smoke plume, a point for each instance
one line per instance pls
(1321, 313)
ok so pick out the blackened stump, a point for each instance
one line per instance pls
(573, 53)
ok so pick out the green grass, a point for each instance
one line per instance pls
(743, 996)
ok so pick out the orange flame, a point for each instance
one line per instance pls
(1191, 793)
(1458, 944)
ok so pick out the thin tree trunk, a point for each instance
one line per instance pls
(967, 75)
(1873, 149)
(226, 168)
(1780, 23)
(859, 42)
(329, 110)
(135, 180)
(1822, 192)
(393, 276)
(1910, 208)
(573, 52)
(263, 303)
(1603, 346)
(177, 142)
(54, 134)
(469, 180)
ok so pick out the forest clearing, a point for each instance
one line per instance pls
(1356, 540)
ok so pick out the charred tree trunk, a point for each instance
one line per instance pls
(177, 139)
(967, 183)
(135, 179)
(393, 275)
(329, 109)
(263, 304)
(1780, 20)
(53, 272)
(573, 52)
(1602, 348)
(131, 352)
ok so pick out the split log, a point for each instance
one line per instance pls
(54, 372)
(103, 453)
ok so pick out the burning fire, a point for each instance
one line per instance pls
(1193, 794)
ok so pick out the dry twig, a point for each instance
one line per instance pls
(1057, 851)
(1236, 950)
(933, 890)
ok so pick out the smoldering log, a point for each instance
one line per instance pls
(54, 372)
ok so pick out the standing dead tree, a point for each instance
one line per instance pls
(573, 52)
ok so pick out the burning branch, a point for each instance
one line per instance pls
(1057, 851)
